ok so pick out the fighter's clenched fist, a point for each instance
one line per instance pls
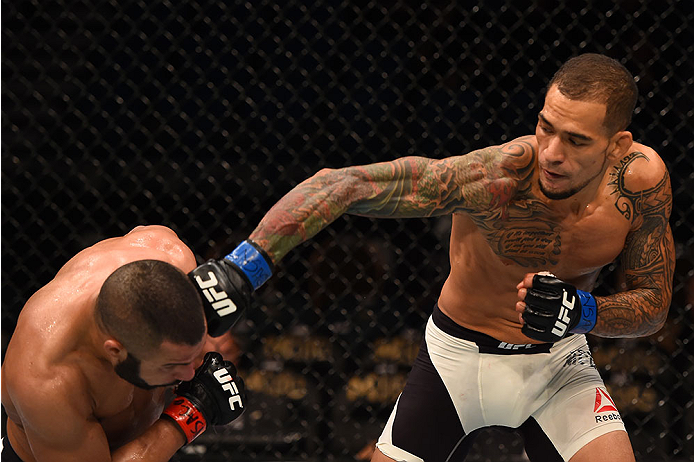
(215, 396)
(226, 285)
(550, 309)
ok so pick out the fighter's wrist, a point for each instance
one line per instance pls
(173, 430)
(589, 313)
(187, 417)
(253, 261)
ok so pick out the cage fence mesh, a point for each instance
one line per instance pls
(199, 115)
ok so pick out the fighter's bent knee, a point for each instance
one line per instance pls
(378, 456)
(394, 454)
(613, 446)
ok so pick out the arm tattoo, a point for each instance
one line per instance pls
(647, 259)
(408, 187)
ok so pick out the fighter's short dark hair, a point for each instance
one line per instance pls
(599, 78)
(146, 302)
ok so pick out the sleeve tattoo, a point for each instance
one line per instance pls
(647, 260)
(404, 188)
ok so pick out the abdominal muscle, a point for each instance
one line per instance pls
(480, 292)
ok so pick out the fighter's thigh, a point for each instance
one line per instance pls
(614, 446)
(378, 456)
(580, 416)
(424, 424)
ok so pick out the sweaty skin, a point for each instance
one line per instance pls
(505, 228)
(63, 399)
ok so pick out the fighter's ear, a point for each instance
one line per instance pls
(620, 144)
(115, 351)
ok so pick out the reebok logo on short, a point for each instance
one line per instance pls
(603, 402)
(605, 407)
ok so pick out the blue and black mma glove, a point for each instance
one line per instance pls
(227, 284)
(554, 309)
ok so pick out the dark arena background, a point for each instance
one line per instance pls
(199, 115)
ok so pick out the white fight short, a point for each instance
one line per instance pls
(463, 381)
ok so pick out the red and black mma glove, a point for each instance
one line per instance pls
(215, 396)
(554, 309)
(227, 284)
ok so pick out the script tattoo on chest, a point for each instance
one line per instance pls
(522, 230)
(525, 236)
(530, 247)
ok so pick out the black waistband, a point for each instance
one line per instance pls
(486, 343)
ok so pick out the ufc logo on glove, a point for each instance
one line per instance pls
(555, 309)
(221, 303)
(223, 377)
(564, 319)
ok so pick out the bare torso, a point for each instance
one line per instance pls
(52, 340)
(490, 253)
(505, 228)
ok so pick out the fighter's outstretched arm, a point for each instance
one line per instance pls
(485, 179)
(403, 188)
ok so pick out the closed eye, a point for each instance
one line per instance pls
(546, 129)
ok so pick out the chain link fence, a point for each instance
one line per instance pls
(199, 115)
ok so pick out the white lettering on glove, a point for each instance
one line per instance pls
(562, 322)
(219, 300)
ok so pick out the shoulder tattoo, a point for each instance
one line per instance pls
(632, 204)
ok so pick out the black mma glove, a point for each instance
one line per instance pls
(553, 309)
(227, 284)
(215, 396)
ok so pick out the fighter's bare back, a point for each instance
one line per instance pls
(48, 349)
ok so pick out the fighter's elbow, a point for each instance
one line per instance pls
(341, 182)
(659, 317)
(657, 325)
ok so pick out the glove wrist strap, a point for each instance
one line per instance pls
(188, 417)
(253, 261)
(589, 313)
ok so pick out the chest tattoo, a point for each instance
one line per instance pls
(523, 234)
(529, 247)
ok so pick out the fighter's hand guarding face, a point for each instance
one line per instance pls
(215, 396)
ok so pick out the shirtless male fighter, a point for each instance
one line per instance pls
(89, 368)
(505, 346)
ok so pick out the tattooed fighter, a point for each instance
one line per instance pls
(534, 221)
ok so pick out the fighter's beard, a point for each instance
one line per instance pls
(129, 370)
(559, 195)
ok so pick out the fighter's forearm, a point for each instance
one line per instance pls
(634, 313)
(388, 190)
(404, 188)
(642, 309)
(158, 444)
(305, 210)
